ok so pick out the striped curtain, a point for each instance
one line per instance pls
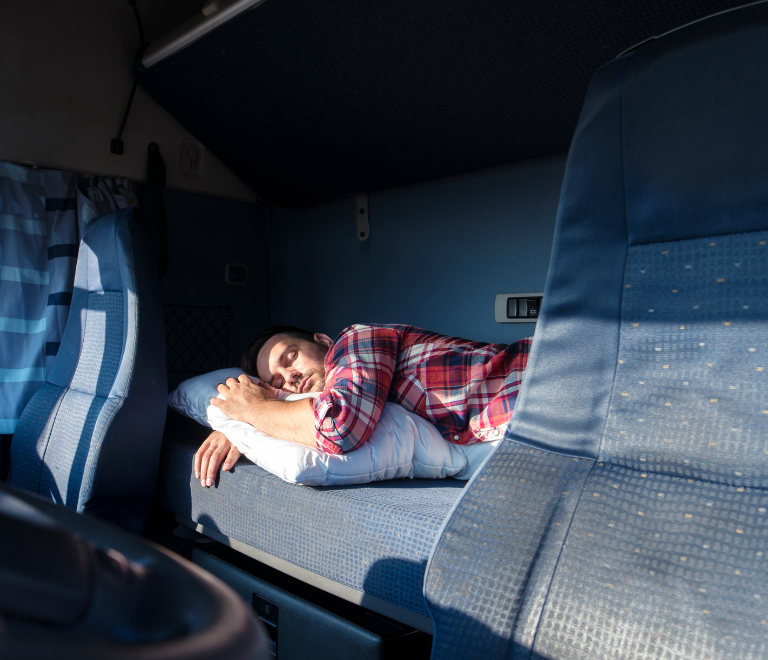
(38, 252)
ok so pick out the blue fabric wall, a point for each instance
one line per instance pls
(205, 233)
(438, 254)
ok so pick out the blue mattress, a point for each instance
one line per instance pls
(373, 538)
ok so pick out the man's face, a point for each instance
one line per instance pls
(292, 364)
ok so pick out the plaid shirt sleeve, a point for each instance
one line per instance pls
(358, 374)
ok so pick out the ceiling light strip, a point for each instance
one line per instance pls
(193, 29)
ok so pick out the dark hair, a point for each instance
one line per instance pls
(250, 355)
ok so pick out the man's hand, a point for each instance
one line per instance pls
(208, 458)
(242, 398)
(257, 405)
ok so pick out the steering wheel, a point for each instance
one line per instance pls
(72, 586)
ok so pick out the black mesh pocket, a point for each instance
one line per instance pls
(196, 338)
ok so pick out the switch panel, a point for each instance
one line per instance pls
(518, 307)
(236, 274)
(267, 612)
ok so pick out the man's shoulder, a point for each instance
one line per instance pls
(406, 334)
(370, 329)
(367, 338)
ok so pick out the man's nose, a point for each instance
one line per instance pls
(291, 377)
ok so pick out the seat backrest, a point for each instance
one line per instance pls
(90, 437)
(624, 515)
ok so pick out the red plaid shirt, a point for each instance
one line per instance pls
(465, 388)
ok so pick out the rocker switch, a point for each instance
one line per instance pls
(517, 307)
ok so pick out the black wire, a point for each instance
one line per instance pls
(127, 110)
(138, 21)
(117, 147)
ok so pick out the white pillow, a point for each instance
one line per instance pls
(193, 396)
(402, 444)
(476, 454)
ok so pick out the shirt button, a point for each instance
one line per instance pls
(455, 437)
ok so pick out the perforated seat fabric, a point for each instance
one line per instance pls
(373, 538)
(90, 437)
(625, 514)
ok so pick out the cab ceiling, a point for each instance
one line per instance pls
(307, 101)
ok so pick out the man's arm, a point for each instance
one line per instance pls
(208, 458)
(359, 371)
(255, 404)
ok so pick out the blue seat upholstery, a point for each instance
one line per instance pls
(90, 437)
(625, 514)
(368, 543)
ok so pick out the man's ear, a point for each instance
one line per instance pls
(325, 340)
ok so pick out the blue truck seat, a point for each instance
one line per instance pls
(90, 436)
(625, 514)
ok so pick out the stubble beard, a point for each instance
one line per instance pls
(319, 384)
(319, 373)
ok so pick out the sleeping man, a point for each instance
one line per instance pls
(466, 389)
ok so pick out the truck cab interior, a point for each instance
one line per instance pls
(177, 176)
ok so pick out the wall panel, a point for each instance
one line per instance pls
(438, 254)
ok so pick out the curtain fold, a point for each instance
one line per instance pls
(99, 195)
